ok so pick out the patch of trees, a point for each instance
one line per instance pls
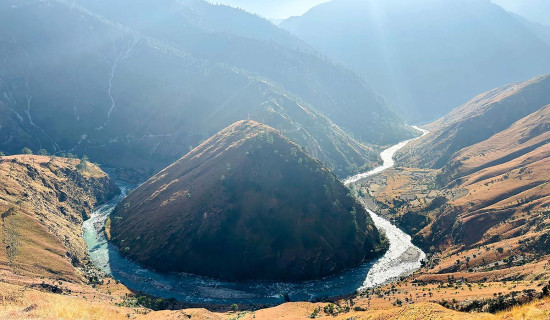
(498, 302)
(149, 302)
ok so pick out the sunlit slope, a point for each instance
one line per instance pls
(43, 202)
(478, 120)
(485, 214)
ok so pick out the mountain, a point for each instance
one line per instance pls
(103, 78)
(476, 121)
(534, 10)
(273, 9)
(224, 35)
(428, 56)
(508, 185)
(253, 199)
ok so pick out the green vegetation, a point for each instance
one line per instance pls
(316, 313)
(26, 150)
(148, 302)
(83, 164)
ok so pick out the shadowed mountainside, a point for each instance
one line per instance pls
(252, 199)
(428, 56)
(88, 81)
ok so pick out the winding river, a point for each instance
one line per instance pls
(402, 258)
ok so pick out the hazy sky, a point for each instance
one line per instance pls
(535, 10)
(273, 9)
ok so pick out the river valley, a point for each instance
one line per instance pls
(402, 258)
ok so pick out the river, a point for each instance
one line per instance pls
(402, 258)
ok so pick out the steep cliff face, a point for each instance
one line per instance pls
(246, 204)
(43, 202)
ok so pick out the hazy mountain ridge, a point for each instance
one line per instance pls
(253, 199)
(534, 10)
(428, 56)
(87, 84)
(268, 52)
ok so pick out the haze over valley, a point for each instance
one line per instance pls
(344, 159)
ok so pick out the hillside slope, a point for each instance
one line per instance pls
(428, 56)
(224, 35)
(76, 80)
(476, 121)
(43, 203)
(486, 213)
(252, 199)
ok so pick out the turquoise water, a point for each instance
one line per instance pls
(196, 289)
(401, 259)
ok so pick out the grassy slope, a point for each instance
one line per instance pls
(42, 205)
(494, 222)
(18, 303)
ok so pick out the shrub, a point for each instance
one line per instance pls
(315, 313)
(83, 165)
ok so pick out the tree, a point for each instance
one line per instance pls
(26, 151)
(42, 152)
(234, 307)
(83, 165)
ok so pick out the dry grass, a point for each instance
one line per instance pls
(42, 205)
(20, 303)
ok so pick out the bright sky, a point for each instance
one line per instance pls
(273, 9)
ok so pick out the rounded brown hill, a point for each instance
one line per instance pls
(246, 204)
